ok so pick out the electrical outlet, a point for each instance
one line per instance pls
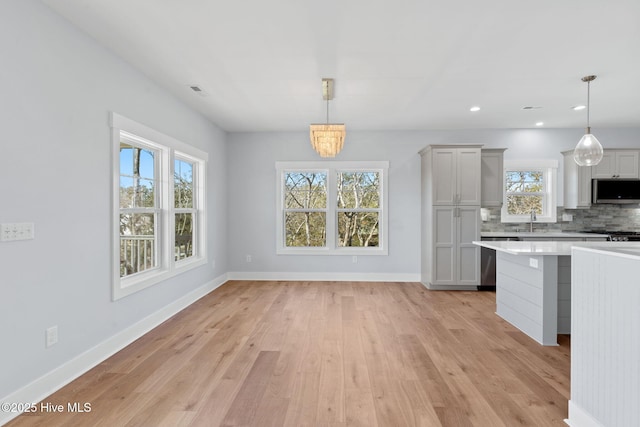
(51, 336)
(533, 263)
(248, 258)
(567, 217)
(16, 231)
(213, 264)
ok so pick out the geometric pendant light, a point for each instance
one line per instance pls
(589, 151)
(327, 138)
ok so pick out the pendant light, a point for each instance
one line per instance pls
(589, 151)
(328, 138)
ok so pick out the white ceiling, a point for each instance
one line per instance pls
(397, 64)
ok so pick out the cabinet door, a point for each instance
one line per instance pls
(618, 164)
(627, 164)
(444, 245)
(584, 186)
(492, 179)
(607, 166)
(468, 230)
(444, 176)
(468, 176)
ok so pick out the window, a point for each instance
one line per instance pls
(159, 207)
(331, 208)
(530, 185)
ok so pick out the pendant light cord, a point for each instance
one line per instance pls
(327, 109)
(588, 105)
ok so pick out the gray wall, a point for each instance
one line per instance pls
(58, 87)
(252, 179)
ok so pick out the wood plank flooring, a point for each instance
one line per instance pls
(257, 353)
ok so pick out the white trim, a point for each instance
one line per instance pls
(123, 123)
(64, 374)
(533, 163)
(578, 417)
(324, 276)
(550, 204)
(168, 149)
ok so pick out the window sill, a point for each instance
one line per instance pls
(128, 286)
(325, 251)
(527, 220)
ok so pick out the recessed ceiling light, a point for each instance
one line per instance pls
(474, 109)
(579, 107)
(540, 124)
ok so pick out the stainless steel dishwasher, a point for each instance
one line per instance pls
(488, 264)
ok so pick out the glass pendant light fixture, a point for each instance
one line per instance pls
(327, 138)
(589, 151)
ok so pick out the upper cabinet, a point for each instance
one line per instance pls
(618, 164)
(577, 183)
(455, 176)
(615, 163)
(492, 180)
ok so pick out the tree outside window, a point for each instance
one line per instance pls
(358, 208)
(525, 192)
(159, 206)
(529, 185)
(331, 208)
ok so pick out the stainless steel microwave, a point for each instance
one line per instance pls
(619, 191)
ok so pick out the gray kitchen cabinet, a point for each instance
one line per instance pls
(456, 173)
(492, 177)
(451, 196)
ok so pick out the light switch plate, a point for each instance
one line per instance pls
(16, 231)
(51, 335)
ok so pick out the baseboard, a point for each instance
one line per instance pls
(578, 417)
(432, 287)
(64, 374)
(322, 276)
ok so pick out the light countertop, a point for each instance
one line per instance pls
(550, 234)
(632, 252)
(559, 247)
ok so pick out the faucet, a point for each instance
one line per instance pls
(533, 218)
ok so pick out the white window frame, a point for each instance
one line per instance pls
(331, 168)
(168, 149)
(549, 168)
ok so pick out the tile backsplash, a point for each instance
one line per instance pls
(598, 217)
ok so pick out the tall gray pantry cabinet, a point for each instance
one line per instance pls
(451, 197)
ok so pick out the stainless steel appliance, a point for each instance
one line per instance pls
(624, 236)
(619, 191)
(619, 236)
(488, 264)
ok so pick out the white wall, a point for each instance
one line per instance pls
(57, 88)
(252, 178)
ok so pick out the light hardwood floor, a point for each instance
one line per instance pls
(326, 354)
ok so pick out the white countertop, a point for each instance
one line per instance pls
(559, 247)
(632, 252)
(550, 234)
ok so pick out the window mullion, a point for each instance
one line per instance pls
(165, 205)
(331, 210)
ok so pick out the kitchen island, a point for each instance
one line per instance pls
(605, 367)
(533, 284)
